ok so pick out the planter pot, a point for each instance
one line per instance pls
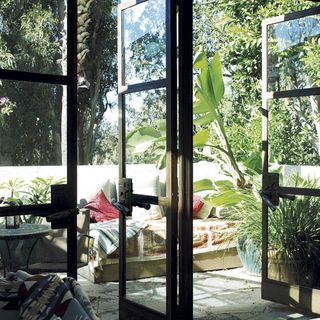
(250, 256)
(283, 269)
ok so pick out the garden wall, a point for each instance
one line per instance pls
(93, 178)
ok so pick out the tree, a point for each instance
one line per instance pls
(33, 38)
(99, 77)
(30, 41)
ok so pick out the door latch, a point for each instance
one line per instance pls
(125, 193)
(127, 199)
(270, 192)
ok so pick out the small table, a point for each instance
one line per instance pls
(24, 232)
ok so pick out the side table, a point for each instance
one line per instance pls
(24, 232)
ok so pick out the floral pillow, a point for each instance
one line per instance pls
(101, 209)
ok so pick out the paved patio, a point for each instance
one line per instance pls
(218, 295)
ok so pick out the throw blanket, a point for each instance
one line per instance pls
(43, 297)
(104, 238)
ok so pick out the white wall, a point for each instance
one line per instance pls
(93, 178)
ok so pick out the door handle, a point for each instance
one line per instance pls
(266, 198)
(122, 208)
(143, 205)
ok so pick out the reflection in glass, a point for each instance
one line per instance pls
(294, 132)
(294, 54)
(146, 257)
(294, 240)
(146, 127)
(144, 42)
(32, 36)
(32, 128)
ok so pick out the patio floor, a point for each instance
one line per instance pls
(218, 295)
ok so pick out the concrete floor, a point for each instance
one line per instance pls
(218, 295)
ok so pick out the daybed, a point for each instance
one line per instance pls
(213, 247)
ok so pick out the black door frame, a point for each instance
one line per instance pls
(178, 66)
(271, 289)
(64, 197)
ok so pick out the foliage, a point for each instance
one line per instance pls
(99, 77)
(37, 191)
(237, 37)
(293, 228)
(146, 128)
(32, 39)
(293, 121)
(6, 108)
(14, 187)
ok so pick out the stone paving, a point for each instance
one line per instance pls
(218, 295)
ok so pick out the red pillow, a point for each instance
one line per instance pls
(101, 209)
(197, 204)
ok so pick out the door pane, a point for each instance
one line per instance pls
(294, 241)
(294, 54)
(146, 261)
(144, 42)
(294, 137)
(146, 165)
(32, 141)
(33, 36)
(146, 139)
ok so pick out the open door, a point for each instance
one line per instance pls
(39, 115)
(291, 155)
(148, 180)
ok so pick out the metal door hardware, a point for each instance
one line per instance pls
(271, 191)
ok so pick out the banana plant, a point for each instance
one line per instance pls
(209, 91)
(240, 185)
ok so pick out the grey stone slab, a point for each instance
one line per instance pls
(218, 295)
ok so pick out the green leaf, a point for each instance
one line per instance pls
(199, 107)
(203, 120)
(161, 124)
(162, 160)
(200, 61)
(205, 91)
(224, 185)
(201, 185)
(142, 139)
(215, 70)
(225, 199)
(254, 163)
(200, 138)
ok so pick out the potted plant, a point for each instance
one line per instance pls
(293, 232)
(294, 238)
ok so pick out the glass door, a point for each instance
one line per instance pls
(152, 153)
(148, 160)
(291, 153)
(38, 81)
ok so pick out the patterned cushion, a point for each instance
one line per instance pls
(101, 209)
(9, 300)
(27, 297)
(50, 297)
